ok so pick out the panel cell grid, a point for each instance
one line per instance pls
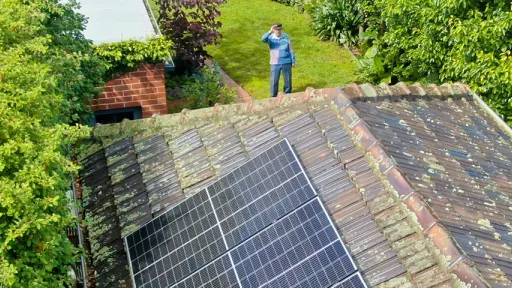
(264, 189)
(261, 225)
(219, 273)
(176, 243)
(301, 249)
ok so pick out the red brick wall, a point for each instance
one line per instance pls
(143, 87)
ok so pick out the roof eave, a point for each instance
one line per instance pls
(502, 124)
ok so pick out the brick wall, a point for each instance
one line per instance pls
(143, 87)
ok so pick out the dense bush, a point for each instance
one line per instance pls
(334, 20)
(447, 41)
(120, 57)
(47, 73)
(337, 20)
(201, 89)
(70, 54)
(191, 26)
(300, 5)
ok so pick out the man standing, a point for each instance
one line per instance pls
(281, 58)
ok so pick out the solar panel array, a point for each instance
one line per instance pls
(262, 225)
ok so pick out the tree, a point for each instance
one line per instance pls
(47, 73)
(448, 41)
(191, 26)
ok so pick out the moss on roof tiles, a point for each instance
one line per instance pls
(119, 157)
(390, 216)
(131, 128)
(107, 130)
(123, 172)
(104, 205)
(87, 148)
(397, 282)
(97, 226)
(246, 122)
(127, 194)
(196, 176)
(103, 252)
(129, 229)
(133, 202)
(208, 130)
(127, 219)
(245, 116)
(154, 168)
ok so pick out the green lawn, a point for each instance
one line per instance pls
(245, 57)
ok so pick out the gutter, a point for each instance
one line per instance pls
(169, 65)
(80, 235)
(152, 17)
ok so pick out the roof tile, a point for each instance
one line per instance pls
(431, 148)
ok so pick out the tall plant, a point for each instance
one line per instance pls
(337, 20)
(191, 26)
(76, 69)
(445, 41)
(47, 72)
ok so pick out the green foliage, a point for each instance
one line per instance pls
(244, 57)
(371, 66)
(47, 71)
(338, 21)
(120, 57)
(372, 19)
(301, 5)
(76, 70)
(201, 89)
(447, 41)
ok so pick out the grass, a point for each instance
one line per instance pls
(245, 58)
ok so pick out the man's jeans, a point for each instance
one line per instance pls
(275, 73)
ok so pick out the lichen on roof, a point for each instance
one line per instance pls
(199, 158)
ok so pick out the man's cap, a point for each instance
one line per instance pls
(278, 25)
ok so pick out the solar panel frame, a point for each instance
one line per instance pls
(354, 281)
(232, 176)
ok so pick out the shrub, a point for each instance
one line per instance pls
(76, 69)
(338, 21)
(120, 57)
(300, 5)
(191, 26)
(371, 66)
(201, 89)
(448, 41)
(47, 71)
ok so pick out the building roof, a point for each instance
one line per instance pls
(418, 180)
(117, 20)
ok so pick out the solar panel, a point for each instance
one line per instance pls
(301, 249)
(219, 273)
(354, 281)
(261, 225)
(256, 194)
(176, 243)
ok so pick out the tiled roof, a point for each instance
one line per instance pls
(417, 179)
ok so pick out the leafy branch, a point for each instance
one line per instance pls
(120, 57)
